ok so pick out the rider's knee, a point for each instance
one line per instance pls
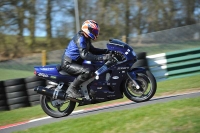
(87, 74)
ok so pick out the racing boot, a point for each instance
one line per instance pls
(72, 90)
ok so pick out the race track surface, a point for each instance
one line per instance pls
(86, 112)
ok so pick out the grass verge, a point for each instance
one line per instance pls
(174, 117)
(168, 87)
(13, 74)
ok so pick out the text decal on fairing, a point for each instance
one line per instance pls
(122, 68)
(128, 50)
(42, 75)
(47, 69)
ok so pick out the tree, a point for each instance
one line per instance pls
(48, 22)
(32, 19)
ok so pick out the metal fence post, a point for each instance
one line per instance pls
(44, 57)
(124, 39)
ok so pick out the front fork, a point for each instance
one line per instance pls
(133, 78)
(132, 74)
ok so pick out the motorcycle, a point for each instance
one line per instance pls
(112, 80)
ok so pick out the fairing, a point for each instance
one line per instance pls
(117, 45)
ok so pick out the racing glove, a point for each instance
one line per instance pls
(107, 57)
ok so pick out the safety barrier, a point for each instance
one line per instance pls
(176, 64)
(17, 93)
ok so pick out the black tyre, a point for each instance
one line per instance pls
(16, 94)
(141, 55)
(32, 85)
(61, 110)
(33, 98)
(147, 89)
(3, 108)
(140, 63)
(2, 102)
(34, 103)
(1, 89)
(12, 82)
(32, 79)
(31, 92)
(17, 100)
(2, 96)
(1, 84)
(19, 105)
(15, 88)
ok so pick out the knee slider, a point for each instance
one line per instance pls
(86, 74)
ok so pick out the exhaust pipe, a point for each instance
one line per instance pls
(55, 94)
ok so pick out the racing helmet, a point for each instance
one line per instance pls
(91, 28)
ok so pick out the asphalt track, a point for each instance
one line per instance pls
(81, 113)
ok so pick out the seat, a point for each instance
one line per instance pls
(62, 72)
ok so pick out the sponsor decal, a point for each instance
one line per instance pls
(99, 88)
(127, 52)
(114, 83)
(110, 95)
(47, 69)
(122, 68)
(43, 75)
(53, 77)
(115, 77)
(99, 98)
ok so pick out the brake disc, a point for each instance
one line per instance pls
(57, 103)
(143, 86)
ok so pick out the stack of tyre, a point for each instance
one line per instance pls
(15, 91)
(3, 104)
(31, 83)
(141, 60)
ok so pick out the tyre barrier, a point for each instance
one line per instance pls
(141, 55)
(17, 93)
(33, 96)
(3, 104)
(141, 60)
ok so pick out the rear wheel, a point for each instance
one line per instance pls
(56, 107)
(147, 89)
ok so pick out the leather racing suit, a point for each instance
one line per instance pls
(78, 50)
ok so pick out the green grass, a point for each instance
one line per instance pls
(13, 74)
(175, 86)
(180, 116)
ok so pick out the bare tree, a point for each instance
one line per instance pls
(48, 22)
(32, 20)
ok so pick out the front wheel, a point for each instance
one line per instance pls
(55, 107)
(147, 89)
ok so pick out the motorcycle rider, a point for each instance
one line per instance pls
(79, 49)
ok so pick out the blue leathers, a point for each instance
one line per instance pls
(80, 48)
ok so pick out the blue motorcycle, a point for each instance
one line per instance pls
(112, 80)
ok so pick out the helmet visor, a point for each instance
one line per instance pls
(95, 31)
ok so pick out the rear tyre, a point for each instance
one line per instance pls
(56, 108)
(147, 84)
(61, 110)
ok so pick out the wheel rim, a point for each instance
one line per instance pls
(145, 87)
(61, 108)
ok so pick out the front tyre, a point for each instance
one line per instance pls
(56, 108)
(147, 84)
